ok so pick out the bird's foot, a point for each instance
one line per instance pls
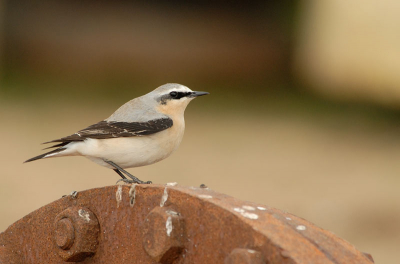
(134, 181)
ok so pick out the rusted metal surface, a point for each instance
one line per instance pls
(244, 256)
(168, 224)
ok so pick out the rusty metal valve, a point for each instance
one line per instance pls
(168, 224)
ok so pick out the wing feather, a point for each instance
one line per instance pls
(105, 129)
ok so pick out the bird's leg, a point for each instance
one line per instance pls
(124, 179)
(120, 174)
(120, 170)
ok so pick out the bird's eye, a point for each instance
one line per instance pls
(173, 94)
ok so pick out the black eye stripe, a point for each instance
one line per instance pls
(174, 95)
(179, 95)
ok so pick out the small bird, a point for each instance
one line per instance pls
(141, 132)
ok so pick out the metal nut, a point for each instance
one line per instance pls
(64, 233)
(244, 256)
(76, 231)
(163, 235)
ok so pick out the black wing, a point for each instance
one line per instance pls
(105, 129)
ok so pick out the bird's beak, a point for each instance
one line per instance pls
(196, 94)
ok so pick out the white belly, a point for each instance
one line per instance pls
(129, 152)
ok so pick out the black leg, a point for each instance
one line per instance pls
(120, 173)
(124, 179)
(120, 170)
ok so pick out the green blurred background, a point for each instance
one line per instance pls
(304, 111)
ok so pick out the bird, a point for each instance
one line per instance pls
(143, 131)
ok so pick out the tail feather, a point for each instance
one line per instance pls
(45, 154)
(57, 146)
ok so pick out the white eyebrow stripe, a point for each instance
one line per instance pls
(180, 88)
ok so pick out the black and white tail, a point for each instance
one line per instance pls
(60, 148)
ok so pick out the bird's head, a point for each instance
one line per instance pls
(172, 98)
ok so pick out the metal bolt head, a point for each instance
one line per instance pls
(76, 232)
(244, 256)
(64, 233)
(163, 235)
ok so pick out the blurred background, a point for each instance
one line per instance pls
(304, 111)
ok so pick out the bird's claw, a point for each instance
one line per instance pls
(124, 180)
(132, 181)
